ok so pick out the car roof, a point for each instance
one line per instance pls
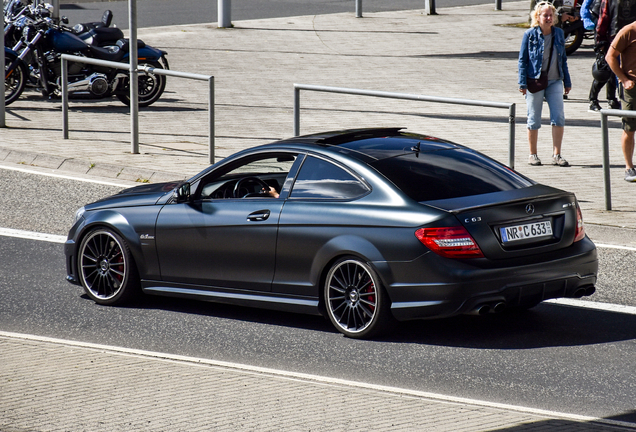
(372, 143)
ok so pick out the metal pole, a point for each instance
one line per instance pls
(606, 162)
(429, 6)
(134, 82)
(296, 111)
(497, 4)
(56, 10)
(211, 119)
(2, 106)
(65, 97)
(511, 136)
(358, 8)
(225, 13)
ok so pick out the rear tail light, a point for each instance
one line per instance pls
(449, 242)
(580, 228)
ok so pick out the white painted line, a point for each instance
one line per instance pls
(65, 177)
(587, 304)
(312, 378)
(615, 247)
(8, 232)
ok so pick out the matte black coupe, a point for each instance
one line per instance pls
(363, 226)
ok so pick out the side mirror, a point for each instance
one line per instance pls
(64, 20)
(182, 193)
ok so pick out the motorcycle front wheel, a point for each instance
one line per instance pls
(150, 87)
(14, 81)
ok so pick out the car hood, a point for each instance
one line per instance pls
(147, 194)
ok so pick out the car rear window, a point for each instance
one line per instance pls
(448, 174)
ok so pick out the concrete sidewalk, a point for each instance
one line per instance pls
(467, 52)
(49, 385)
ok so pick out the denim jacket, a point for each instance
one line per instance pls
(531, 56)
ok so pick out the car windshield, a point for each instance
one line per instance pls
(447, 174)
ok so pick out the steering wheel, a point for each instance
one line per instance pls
(241, 182)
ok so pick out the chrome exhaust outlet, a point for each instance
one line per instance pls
(499, 307)
(480, 310)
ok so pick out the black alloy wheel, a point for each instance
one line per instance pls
(106, 268)
(356, 303)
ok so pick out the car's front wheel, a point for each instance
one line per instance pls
(106, 268)
(355, 300)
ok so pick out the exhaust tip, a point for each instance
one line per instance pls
(590, 290)
(579, 293)
(499, 307)
(483, 310)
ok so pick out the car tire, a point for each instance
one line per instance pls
(356, 302)
(106, 268)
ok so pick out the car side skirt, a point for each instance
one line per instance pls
(235, 297)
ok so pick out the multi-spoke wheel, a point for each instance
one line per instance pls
(355, 300)
(150, 87)
(106, 268)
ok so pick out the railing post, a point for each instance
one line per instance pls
(65, 97)
(296, 111)
(211, 119)
(606, 162)
(134, 74)
(358, 8)
(511, 135)
(2, 106)
(497, 4)
(429, 7)
(225, 13)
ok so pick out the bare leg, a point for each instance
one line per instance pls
(557, 139)
(533, 138)
(627, 142)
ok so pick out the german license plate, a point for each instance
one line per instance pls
(525, 231)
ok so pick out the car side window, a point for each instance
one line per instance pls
(321, 179)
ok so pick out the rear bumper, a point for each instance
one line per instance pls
(463, 288)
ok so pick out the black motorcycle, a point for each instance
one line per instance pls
(46, 41)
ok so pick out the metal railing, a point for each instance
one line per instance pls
(605, 113)
(146, 69)
(509, 106)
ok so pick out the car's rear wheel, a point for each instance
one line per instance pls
(355, 300)
(106, 268)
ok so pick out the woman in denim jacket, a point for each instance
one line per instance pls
(534, 58)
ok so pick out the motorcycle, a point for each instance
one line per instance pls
(572, 24)
(46, 41)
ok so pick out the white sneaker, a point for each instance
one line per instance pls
(534, 160)
(630, 175)
(557, 159)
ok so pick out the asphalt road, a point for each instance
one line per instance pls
(558, 358)
(152, 13)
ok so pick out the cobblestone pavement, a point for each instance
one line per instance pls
(467, 52)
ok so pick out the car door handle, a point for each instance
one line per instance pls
(259, 215)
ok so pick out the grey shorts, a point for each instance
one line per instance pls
(628, 98)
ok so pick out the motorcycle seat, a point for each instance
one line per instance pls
(110, 53)
(102, 36)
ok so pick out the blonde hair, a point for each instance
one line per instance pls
(534, 14)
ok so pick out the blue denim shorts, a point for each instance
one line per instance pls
(553, 94)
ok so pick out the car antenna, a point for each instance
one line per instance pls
(416, 149)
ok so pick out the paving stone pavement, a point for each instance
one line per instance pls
(466, 52)
(49, 385)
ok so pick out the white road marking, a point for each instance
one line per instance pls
(587, 304)
(66, 177)
(194, 361)
(8, 232)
